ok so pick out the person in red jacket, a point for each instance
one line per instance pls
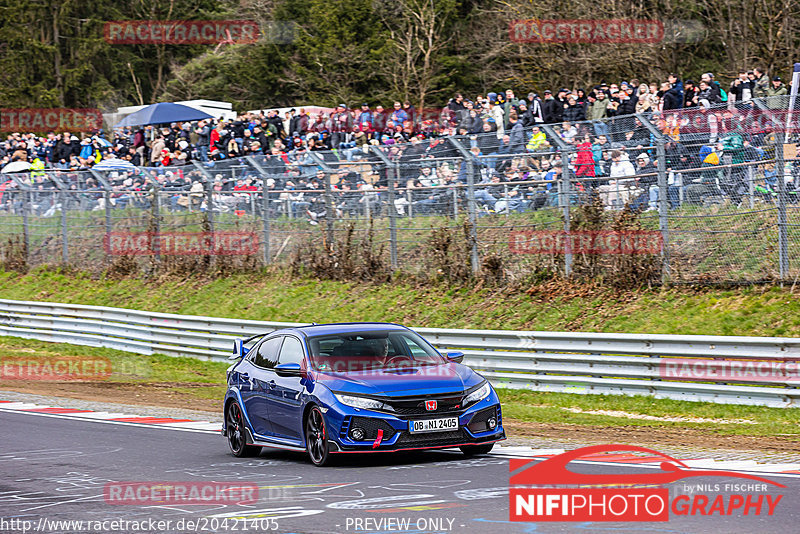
(584, 162)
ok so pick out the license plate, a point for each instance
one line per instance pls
(433, 425)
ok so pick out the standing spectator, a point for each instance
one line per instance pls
(365, 119)
(535, 108)
(670, 98)
(774, 94)
(643, 101)
(742, 88)
(676, 83)
(707, 96)
(156, 150)
(553, 111)
(516, 134)
(495, 113)
(627, 102)
(456, 103)
(597, 110)
(63, 151)
(341, 125)
(716, 91)
(584, 161)
(398, 116)
(299, 124)
(690, 91)
(573, 111)
(761, 84)
(289, 119)
(511, 104)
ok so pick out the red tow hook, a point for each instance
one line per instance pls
(378, 439)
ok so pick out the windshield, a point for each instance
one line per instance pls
(376, 349)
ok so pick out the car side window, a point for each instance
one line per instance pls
(267, 355)
(292, 351)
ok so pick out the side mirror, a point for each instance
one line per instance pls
(455, 356)
(288, 369)
(238, 350)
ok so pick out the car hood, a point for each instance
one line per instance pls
(422, 380)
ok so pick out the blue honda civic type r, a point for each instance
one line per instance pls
(353, 388)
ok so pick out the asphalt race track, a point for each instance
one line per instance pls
(54, 469)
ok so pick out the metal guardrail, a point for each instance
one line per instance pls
(598, 363)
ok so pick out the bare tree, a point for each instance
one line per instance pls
(420, 31)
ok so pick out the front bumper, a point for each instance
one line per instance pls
(384, 432)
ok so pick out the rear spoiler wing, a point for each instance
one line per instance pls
(239, 348)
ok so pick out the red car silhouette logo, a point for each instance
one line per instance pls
(554, 470)
(430, 406)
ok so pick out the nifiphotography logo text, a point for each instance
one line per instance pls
(535, 492)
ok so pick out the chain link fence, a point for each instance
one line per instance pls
(717, 189)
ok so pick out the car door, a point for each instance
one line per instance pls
(255, 375)
(285, 399)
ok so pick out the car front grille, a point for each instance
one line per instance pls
(431, 439)
(448, 404)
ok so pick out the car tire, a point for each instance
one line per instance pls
(474, 450)
(317, 438)
(236, 434)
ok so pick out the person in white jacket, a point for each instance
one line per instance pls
(620, 188)
(496, 113)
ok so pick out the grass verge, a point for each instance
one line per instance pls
(552, 306)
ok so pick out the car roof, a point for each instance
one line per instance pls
(339, 328)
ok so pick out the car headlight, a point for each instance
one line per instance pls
(361, 402)
(478, 395)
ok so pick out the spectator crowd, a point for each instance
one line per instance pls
(512, 144)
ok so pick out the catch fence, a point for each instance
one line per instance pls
(719, 188)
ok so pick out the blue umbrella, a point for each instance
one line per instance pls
(163, 113)
(114, 164)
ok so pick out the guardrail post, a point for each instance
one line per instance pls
(471, 210)
(783, 236)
